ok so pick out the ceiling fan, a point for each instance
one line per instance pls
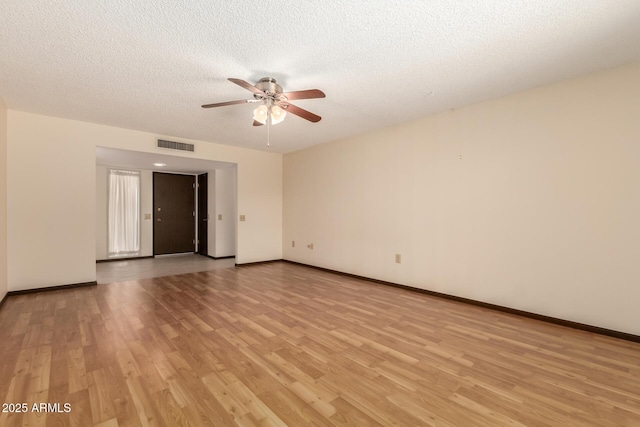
(274, 102)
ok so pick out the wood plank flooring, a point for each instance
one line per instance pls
(281, 344)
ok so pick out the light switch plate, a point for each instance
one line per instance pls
(219, 217)
(242, 218)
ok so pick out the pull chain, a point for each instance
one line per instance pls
(269, 127)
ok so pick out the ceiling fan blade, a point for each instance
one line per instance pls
(257, 123)
(307, 115)
(247, 86)
(305, 94)
(222, 104)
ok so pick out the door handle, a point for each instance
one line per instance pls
(159, 219)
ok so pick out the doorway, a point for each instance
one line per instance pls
(174, 213)
(222, 206)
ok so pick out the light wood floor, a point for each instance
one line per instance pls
(282, 344)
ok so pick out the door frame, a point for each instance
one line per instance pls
(202, 208)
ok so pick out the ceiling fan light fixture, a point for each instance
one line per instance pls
(260, 114)
(274, 102)
(277, 114)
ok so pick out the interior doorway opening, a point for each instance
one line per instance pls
(212, 215)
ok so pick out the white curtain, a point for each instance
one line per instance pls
(124, 213)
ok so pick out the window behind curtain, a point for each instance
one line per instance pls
(124, 213)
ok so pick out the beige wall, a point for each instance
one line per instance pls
(52, 196)
(531, 201)
(3, 199)
(225, 205)
(146, 208)
(102, 212)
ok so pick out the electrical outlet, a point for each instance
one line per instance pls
(147, 216)
(293, 243)
(219, 217)
(310, 245)
(398, 258)
(243, 218)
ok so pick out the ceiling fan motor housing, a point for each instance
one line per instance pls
(269, 86)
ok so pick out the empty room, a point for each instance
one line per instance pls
(299, 213)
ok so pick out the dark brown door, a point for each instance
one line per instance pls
(203, 217)
(174, 226)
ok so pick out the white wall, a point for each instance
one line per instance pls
(225, 205)
(51, 196)
(102, 219)
(531, 201)
(3, 199)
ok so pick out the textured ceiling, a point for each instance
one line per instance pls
(150, 65)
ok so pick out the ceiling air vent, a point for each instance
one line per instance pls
(175, 145)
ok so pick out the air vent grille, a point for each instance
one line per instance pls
(172, 145)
